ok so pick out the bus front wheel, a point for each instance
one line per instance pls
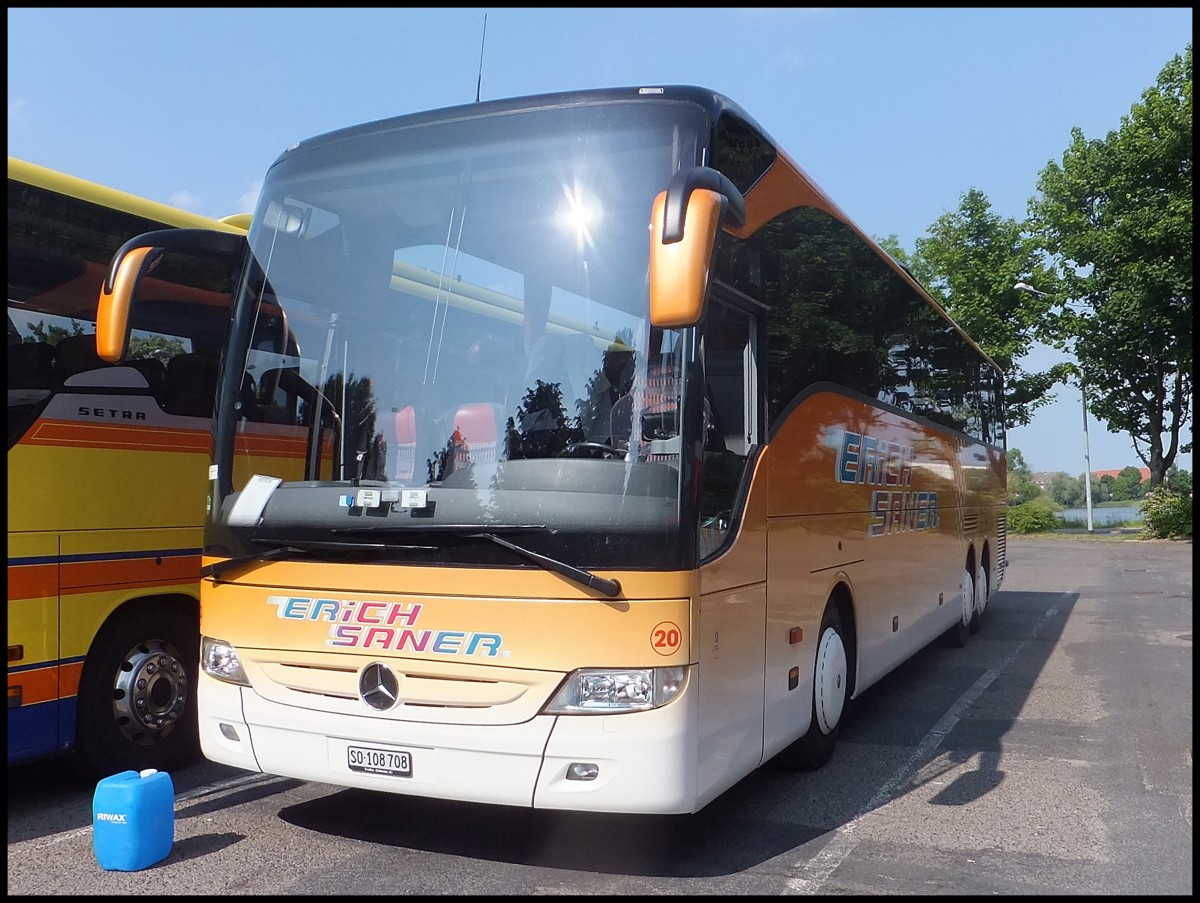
(831, 689)
(136, 707)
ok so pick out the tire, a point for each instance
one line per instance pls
(958, 635)
(830, 696)
(982, 588)
(143, 662)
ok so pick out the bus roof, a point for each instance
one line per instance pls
(53, 180)
(712, 102)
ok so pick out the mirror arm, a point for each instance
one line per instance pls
(229, 244)
(683, 183)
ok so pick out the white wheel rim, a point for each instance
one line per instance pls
(829, 685)
(968, 597)
(981, 592)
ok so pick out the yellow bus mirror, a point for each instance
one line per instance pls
(112, 312)
(241, 220)
(679, 269)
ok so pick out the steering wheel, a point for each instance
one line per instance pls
(591, 450)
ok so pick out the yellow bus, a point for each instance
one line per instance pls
(632, 460)
(106, 482)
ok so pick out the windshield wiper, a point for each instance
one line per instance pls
(284, 550)
(579, 575)
(217, 568)
(587, 579)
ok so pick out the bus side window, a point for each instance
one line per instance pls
(191, 385)
(730, 407)
(714, 434)
(30, 367)
(75, 354)
(276, 402)
(155, 372)
(30, 381)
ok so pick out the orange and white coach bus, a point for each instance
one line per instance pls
(632, 460)
(106, 482)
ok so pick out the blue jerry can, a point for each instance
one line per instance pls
(133, 820)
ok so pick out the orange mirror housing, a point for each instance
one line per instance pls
(679, 270)
(112, 312)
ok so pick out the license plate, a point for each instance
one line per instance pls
(393, 762)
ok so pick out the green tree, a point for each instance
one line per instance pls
(41, 331)
(1128, 485)
(1021, 487)
(1168, 514)
(969, 263)
(1117, 214)
(1106, 488)
(1067, 490)
(1179, 481)
(1037, 516)
(155, 346)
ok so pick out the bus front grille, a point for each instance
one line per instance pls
(442, 692)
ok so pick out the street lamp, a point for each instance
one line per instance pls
(1087, 458)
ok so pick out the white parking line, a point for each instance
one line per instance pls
(222, 786)
(816, 871)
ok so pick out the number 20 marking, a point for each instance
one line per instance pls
(665, 637)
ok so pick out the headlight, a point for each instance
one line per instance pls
(219, 659)
(606, 691)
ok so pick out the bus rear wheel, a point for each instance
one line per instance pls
(831, 689)
(136, 707)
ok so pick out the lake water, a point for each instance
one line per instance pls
(1102, 517)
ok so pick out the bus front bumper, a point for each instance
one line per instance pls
(643, 762)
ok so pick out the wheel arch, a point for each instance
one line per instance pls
(133, 606)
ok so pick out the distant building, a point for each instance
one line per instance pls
(1144, 471)
(1042, 478)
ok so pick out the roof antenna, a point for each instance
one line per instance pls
(479, 82)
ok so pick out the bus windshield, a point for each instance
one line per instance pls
(468, 315)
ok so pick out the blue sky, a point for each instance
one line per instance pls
(896, 113)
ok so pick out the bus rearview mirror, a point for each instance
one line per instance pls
(679, 269)
(116, 296)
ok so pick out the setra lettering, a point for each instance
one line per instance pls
(110, 413)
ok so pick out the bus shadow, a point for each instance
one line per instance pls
(51, 785)
(709, 843)
(775, 810)
(1004, 661)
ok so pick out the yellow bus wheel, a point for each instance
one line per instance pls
(136, 706)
